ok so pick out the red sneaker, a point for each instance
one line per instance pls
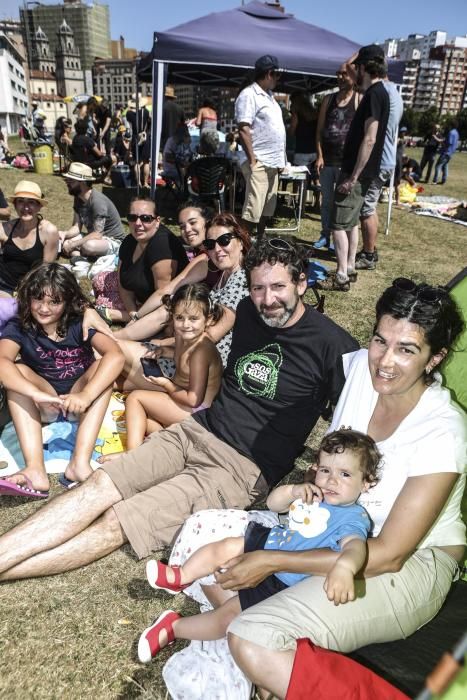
(156, 573)
(149, 645)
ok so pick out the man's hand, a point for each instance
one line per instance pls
(346, 186)
(245, 571)
(319, 164)
(340, 584)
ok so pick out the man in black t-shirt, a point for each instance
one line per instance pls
(285, 366)
(361, 162)
(84, 149)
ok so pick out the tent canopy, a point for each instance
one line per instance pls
(220, 48)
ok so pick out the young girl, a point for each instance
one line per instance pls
(57, 373)
(322, 515)
(198, 371)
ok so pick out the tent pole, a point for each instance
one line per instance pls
(156, 124)
(391, 190)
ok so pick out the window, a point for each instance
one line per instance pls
(48, 105)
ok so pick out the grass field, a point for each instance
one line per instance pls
(74, 635)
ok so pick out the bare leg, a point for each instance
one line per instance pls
(370, 232)
(90, 422)
(59, 520)
(102, 537)
(206, 560)
(146, 327)
(157, 406)
(26, 417)
(209, 625)
(216, 595)
(267, 668)
(341, 243)
(353, 244)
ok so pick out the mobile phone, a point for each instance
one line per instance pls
(151, 367)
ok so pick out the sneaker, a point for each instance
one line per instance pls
(320, 243)
(362, 254)
(365, 263)
(352, 275)
(334, 283)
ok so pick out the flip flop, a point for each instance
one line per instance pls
(66, 483)
(8, 488)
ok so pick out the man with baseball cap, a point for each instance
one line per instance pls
(262, 133)
(95, 213)
(361, 161)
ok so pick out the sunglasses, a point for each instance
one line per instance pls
(279, 244)
(429, 295)
(223, 240)
(144, 218)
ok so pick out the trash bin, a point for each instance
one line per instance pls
(42, 156)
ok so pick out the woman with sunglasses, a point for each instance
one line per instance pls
(393, 393)
(225, 244)
(148, 260)
(26, 239)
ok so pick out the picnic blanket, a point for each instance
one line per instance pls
(440, 207)
(59, 440)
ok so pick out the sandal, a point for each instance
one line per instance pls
(334, 284)
(149, 645)
(156, 573)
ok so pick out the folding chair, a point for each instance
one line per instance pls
(206, 178)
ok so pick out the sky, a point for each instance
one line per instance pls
(359, 20)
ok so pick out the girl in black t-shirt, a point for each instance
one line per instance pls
(57, 374)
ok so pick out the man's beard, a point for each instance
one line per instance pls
(279, 321)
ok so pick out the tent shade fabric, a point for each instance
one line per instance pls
(219, 49)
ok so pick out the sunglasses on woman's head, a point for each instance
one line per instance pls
(429, 295)
(223, 240)
(144, 218)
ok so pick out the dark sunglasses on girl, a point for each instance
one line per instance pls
(223, 240)
(424, 292)
(144, 218)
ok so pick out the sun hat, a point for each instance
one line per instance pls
(79, 171)
(372, 52)
(29, 190)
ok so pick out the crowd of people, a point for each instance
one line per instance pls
(227, 371)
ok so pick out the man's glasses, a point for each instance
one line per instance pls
(429, 295)
(223, 240)
(144, 218)
(279, 244)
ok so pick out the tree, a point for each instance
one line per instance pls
(427, 120)
(410, 120)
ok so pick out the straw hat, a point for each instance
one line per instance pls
(29, 190)
(170, 92)
(143, 101)
(79, 171)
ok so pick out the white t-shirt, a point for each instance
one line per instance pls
(431, 439)
(258, 108)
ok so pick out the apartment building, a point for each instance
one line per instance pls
(13, 91)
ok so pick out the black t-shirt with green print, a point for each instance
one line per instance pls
(276, 384)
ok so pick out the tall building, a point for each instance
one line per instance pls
(43, 89)
(69, 73)
(453, 77)
(90, 24)
(114, 79)
(427, 87)
(42, 60)
(13, 92)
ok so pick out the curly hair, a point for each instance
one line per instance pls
(194, 294)
(360, 444)
(58, 282)
(291, 256)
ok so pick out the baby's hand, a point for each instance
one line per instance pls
(307, 492)
(340, 584)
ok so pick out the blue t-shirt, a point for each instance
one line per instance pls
(317, 526)
(60, 362)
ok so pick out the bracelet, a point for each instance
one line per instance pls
(134, 315)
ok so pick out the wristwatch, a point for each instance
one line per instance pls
(134, 315)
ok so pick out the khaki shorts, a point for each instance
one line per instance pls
(373, 192)
(388, 607)
(175, 473)
(346, 210)
(261, 191)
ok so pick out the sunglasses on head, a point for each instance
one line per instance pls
(279, 244)
(223, 240)
(425, 293)
(144, 218)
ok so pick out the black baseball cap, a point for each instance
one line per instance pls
(373, 52)
(266, 63)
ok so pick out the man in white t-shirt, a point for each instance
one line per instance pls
(262, 133)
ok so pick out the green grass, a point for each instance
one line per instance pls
(73, 636)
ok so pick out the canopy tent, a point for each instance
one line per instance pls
(219, 49)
